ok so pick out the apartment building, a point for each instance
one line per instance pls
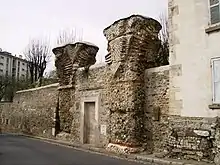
(13, 66)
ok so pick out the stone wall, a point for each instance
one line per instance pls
(157, 104)
(180, 137)
(31, 112)
(193, 138)
(34, 105)
(116, 89)
(157, 89)
(89, 86)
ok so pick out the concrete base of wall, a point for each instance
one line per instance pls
(122, 149)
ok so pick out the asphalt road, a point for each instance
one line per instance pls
(18, 150)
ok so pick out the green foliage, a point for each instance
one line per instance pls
(49, 78)
(47, 81)
(6, 87)
(9, 86)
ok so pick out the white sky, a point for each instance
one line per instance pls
(25, 19)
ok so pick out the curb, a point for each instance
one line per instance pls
(160, 161)
(145, 159)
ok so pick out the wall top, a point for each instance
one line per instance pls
(135, 24)
(54, 50)
(39, 88)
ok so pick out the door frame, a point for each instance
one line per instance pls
(96, 100)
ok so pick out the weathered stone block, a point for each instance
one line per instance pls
(202, 133)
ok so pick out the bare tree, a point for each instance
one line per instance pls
(163, 55)
(68, 36)
(30, 59)
(38, 55)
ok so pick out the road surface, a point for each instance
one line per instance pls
(18, 150)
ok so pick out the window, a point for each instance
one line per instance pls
(214, 11)
(2, 57)
(1, 64)
(14, 64)
(23, 69)
(216, 80)
(18, 66)
(22, 63)
(1, 70)
(7, 60)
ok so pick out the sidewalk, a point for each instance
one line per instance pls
(132, 157)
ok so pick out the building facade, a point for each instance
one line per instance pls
(194, 57)
(13, 66)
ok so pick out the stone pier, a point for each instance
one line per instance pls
(132, 45)
(69, 58)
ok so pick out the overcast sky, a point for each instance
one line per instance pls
(25, 19)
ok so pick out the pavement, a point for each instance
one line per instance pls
(20, 150)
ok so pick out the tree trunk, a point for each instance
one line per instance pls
(35, 74)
